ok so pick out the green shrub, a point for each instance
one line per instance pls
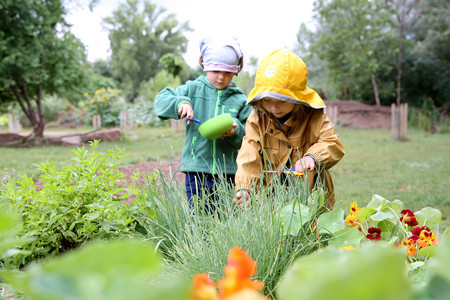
(52, 105)
(78, 203)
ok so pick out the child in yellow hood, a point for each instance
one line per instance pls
(287, 129)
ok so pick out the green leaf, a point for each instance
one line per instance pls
(293, 216)
(386, 226)
(332, 221)
(377, 202)
(365, 212)
(317, 197)
(103, 271)
(347, 237)
(381, 216)
(374, 272)
(397, 206)
(428, 216)
(429, 251)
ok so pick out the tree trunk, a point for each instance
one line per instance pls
(36, 119)
(375, 91)
(399, 65)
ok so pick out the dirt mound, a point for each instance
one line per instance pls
(75, 139)
(359, 115)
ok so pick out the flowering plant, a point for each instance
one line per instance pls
(384, 220)
(237, 283)
(101, 99)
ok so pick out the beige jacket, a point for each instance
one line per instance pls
(267, 147)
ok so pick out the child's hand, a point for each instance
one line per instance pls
(240, 197)
(185, 110)
(306, 162)
(230, 132)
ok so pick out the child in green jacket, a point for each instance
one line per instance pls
(204, 160)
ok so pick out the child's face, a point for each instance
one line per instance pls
(277, 108)
(219, 79)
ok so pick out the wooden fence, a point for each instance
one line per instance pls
(399, 121)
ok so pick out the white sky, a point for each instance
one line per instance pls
(261, 26)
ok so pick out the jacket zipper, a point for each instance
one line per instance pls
(194, 138)
(216, 112)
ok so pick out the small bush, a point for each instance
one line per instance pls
(79, 203)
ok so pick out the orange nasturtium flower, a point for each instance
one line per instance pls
(427, 239)
(409, 243)
(352, 220)
(203, 288)
(238, 271)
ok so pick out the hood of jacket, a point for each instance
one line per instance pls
(282, 75)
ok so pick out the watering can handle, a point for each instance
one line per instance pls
(194, 120)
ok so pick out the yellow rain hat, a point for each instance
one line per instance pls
(282, 75)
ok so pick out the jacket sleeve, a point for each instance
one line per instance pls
(240, 120)
(169, 100)
(249, 160)
(327, 149)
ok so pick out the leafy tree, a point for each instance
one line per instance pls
(38, 55)
(354, 38)
(427, 62)
(140, 33)
(174, 64)
(406, 15)
(318, 74)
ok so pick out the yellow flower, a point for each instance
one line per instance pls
(86, 94)
(354, 208)
(108, 89)
(347, 248)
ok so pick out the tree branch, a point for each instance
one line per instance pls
(32, 112)
(19, 99)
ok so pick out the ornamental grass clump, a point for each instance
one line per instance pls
(275, 227)
(76, 204)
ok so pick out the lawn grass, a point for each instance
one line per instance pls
(416, 172)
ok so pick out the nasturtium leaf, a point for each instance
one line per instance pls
(440, 264)
(380, 216)
(370, 273)
(365, 212)
(103, 271)
(428, 216)
(429, 251)
(416, 264)
(332, 221)
(386, 226)
(294, 216)
(317, 198)
(347, 237)
(397, 206)
(377, 202)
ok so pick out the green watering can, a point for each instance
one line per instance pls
(215, 127)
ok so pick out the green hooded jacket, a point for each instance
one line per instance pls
(199, 154)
